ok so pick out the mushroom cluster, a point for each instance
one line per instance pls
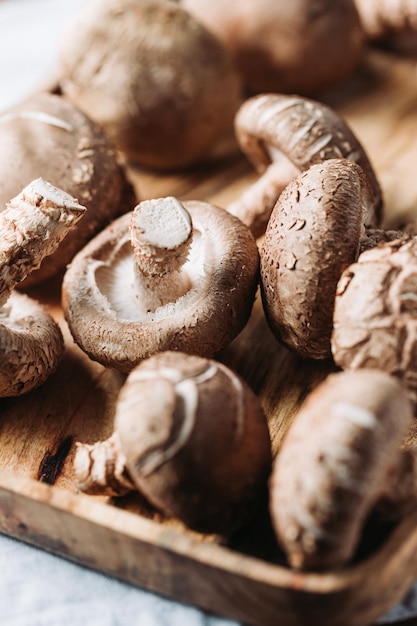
(157, 288)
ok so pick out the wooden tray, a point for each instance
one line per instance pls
(245, 578)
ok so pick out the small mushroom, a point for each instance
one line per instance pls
(283, 136)
(192, 438)
(313, 234)
(383, 19)
(48, 137)
(341, 456)
(375, 313)
(32, 226)
(302, 46)
(167, 276)
(160, 84)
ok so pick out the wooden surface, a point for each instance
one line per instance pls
(244, 577)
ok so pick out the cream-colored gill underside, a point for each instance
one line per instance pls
(115, 281)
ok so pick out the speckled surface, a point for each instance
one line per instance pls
(38, 588)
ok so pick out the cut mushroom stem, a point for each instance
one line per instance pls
(101, 468)
(32, 226)
(161, 234)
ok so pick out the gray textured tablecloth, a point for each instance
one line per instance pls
(37, 588)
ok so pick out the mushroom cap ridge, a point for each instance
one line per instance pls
(201, 322)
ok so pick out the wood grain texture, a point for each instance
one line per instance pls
(244, 577)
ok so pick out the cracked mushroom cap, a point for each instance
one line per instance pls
(283, 136)
(375, 314)
(324, 485)
(162, 86)
(48, 137)
(302, 46)
(196, 440)
(121, 313)
(31, 345)
(312, 236)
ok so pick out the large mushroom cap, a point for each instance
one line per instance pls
(111, 322)
(31, 345)
(196, 440)
(312, 236)
(375, 314)
(156, 80)
(297, 46)
(334, 465)
(48, 137)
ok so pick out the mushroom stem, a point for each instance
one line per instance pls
(161, 234)
(255, 206)
(100, 468)
(33, 225)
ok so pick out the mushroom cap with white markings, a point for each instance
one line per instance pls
(195, 439)
(46, 136)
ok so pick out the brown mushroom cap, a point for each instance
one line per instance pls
(375, 314)
(334, 464)
(162, 86)
(283, 136)
(48, 137)
(301, 46)
(111, 323)
(31, 345)
(195, 439)
(312, 236)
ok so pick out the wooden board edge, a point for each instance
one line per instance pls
(212, 577)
